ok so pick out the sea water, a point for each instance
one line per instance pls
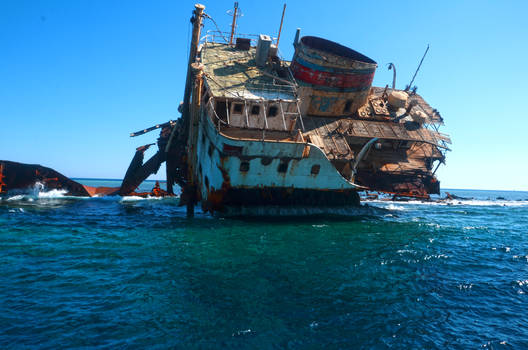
(134, 273)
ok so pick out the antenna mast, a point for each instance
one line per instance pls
(417, 69)
(280, 28)
(233, 24)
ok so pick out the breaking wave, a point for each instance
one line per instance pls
(38, 191)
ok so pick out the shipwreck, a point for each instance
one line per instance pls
(258, 130)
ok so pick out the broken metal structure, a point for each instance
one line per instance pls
(18, 176)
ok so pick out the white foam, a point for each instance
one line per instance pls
(38, 191)
(138, 198)
(466, 202)
(392, 206)
(52, 194)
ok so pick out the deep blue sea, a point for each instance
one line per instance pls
(125, 273)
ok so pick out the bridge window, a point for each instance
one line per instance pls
(255, 110)
(238, 108)
(272, 111)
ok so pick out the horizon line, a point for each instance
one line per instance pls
(164, 181)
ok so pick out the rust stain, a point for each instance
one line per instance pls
(306, 151)
(216, 198)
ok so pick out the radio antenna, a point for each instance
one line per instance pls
(417, 69)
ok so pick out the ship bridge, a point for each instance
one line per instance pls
(242, 92)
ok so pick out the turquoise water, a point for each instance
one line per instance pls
(135, 273)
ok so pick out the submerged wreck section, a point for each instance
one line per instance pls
(19, 177)
(15, 176)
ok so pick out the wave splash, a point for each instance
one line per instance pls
(38, 191)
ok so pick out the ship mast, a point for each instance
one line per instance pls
(280, 27)
(189, 188)
(233, 24)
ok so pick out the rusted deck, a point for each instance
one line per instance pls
(330, 133)
(233, 73)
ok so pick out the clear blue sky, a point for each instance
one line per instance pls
(76, 77)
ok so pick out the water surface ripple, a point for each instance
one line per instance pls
(127, 273)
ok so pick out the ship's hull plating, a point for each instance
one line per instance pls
(239, 172)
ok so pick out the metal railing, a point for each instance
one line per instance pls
(264, 105)
(221, 37)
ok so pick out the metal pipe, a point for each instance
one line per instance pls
(393, 67)
(440, 161)
(297, 35)
(361, 154)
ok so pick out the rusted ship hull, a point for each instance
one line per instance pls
(238, 172)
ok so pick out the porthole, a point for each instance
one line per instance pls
(244, 166)
(315, 169)
(283, 166)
